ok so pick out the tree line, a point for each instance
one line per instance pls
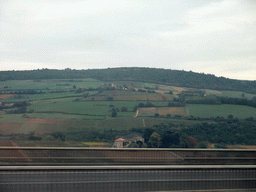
(222, 132)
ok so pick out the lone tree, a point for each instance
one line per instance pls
(154, 140)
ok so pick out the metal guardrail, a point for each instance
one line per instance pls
(52, 169)
(127, 178)
(127, 167)
(125, 156)
(126, 149)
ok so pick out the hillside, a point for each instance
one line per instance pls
(153, 75)
(88, 111)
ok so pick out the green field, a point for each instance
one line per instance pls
(224, 110)
(87, 108)
(11, 118)
(55, 95)
(134, 84)
(121, 95)
(51, 84)
(237, 94)
(62, 116)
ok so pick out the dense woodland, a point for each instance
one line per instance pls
(153, 75)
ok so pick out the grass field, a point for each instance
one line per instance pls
(68, 105)
(119, 95)
(62, 116)
(29, 84)
(162, 111)
(86, 108)
(238, 111)
(51, 83)
(55, 95)
(68, 108)
(17, 118)
(237, 94)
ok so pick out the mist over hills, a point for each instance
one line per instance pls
(153, 75)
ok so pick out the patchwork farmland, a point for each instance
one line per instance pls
(76, 106)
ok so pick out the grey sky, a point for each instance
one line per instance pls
(216, 37)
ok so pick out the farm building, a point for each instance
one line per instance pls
(119, 143)
(123, 143)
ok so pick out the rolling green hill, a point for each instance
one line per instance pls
(153, 75)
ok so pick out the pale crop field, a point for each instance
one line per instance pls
(131, 96)
(172, 111)
(162, 111)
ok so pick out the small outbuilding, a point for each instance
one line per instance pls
(119, 143)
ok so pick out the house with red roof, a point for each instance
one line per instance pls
(119, 143)
(123, 143)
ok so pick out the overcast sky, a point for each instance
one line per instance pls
(208, 36)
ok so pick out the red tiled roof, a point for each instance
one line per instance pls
(120, 139)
